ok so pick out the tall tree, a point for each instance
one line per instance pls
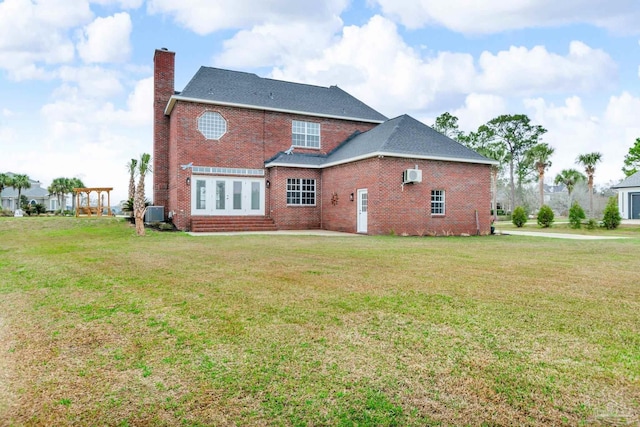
(632, 159)
(74, 183)
(447, 124)
(131, 167)
(20, 182)
(569, 177)
(589, 161)
(540, 157)
(144, 167)
(5, 181)
(482, 142)
(517, 135)
(59, 187)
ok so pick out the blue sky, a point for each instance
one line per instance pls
(75, 75)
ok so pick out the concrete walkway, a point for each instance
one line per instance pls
(557, 235)
(326, 233)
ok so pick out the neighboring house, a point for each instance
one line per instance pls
(629, 197)
(35, 194)
(236, 151)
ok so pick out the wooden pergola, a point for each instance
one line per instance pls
(92, 210)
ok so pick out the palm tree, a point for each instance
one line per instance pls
(20, 182)
(569, 177)
(539, 156)
(131, 167)
(144, 166)
(59, 187)
(5, 181)
(74, 183)
(589, 161)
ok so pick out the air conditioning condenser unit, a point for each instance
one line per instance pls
(412, 175)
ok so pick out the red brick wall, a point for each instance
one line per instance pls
(343, 180)
(293, 217)
(406, 210)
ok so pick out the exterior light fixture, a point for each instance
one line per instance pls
(188, 180)
(268, 183)
(351, 197)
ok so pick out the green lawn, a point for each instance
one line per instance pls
(100, 327)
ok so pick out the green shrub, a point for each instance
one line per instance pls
(576, 215)
(611, 219)
(592, 224)
(40, 209)
(545, 216)
(519, 216)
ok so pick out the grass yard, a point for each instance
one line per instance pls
(100, 327)
(562, 225)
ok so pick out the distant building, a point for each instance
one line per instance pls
(629, 197)
(36, 194)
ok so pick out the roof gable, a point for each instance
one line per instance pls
(225, 87)
(630, 181)
(403, 136)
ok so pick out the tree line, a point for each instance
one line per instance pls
(515, 143)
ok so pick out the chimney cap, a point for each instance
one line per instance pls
(164, 48)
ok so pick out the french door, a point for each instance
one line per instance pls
(227, 196)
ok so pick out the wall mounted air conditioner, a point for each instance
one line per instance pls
(154, 214)
(412, 175)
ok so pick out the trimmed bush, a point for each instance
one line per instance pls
(519, 216)
(576, 215)
(611, 219)
(545, 216)
(592, 224)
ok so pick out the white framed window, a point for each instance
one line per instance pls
(305, 134)
(212, 125)
(301, 192)
(437, 202)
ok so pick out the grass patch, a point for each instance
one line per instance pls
(98, 326)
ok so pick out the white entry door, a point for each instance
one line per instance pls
(363, 205)
(227, 196)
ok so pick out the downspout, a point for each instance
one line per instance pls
(321, 192)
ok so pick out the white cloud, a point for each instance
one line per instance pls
(492, 16)
(375, 64)
(92, 81)
(622, 111)
(106, 39)
(478, 109)
(124, 4)
(573, 131)
(6, 112)
(276, 44)
(33, 33)
(207, 16)
(532, 70)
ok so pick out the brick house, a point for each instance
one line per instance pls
(234, 151)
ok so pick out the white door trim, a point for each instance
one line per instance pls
(362, 212)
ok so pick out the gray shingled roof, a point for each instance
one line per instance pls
(630, 181)
(238, 88)
(403, 136)
(34, 191)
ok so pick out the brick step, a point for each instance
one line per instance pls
(212, 224)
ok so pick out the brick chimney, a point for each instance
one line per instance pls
(163, 89)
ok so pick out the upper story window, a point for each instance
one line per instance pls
(305, 134)
(212, 125)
